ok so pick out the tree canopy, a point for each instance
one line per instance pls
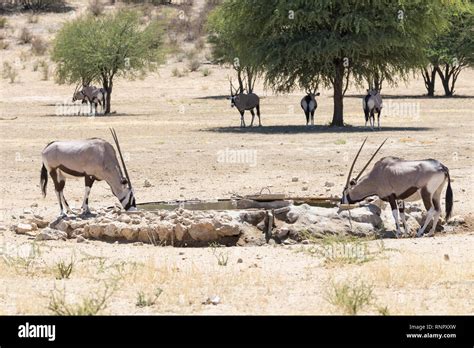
(98, 49)
(452, 50)
(301, 43)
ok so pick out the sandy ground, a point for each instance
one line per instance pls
(174, 132)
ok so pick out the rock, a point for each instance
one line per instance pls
(38, 222)
(446, 257)
(367, 214)
(23, 228)
(34, 205)
(125, 218)
(304, 188)
(27, 211)
(51, 234)
(240, 260)
(294, 179)
(147, 183)
(80, 239)
(328, 184)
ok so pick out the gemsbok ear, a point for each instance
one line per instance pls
(318, 94)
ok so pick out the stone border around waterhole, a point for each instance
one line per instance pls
(290, 224)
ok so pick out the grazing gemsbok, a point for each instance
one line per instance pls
(394, 180)
(94, 159)
(245, 102)
(93, 95)
(309, 105)
(372, 103)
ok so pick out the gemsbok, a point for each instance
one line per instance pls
(372, 103)
(309, 105)
(92, 95)
(94, 159)
(395, 180)
(245, 102)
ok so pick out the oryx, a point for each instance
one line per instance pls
(394, 180)
(94, 159)
(93, 95)
(372, 103)
(245, 102)
(309, 105)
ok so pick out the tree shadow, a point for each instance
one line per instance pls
(408, 96)
(313, 129)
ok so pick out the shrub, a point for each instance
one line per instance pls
(350, 297)
(3, 44)
(9, 72)
(44, 66)
(25, 36)
(32, 19)
(206, 72)
(96, 7)
(194, 65)
(38, 46)
(3, 22)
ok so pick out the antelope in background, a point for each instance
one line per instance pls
(309, 105)
(245, 102)
(395, 180)
(92, 95)
(372, 103)
(94, 159)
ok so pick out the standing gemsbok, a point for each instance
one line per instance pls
(94, 159)
(372, 103)
(309, 105)
(394, 180)
(245, 102)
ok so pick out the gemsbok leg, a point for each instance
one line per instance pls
(428, 203)
(89, 181)
(401, 209)
(258, 114)
(59, 183)
(378, 117)
(394, 206)
(312, 117)
(437, 207)
(253, 116)
(242, 119)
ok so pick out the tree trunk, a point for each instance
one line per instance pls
(338, 87)
(107, 85)
(430, 78)
(445, 79)
(241, 82)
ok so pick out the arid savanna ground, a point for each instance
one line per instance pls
(173, 130)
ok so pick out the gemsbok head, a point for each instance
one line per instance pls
(395, 180)
(245, 102)
(93, 159)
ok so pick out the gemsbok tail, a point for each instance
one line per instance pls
(44, 180)
(449, 197)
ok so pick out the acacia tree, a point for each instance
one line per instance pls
(229, 46)
(99, 49)
(454, 49)
(295, 41)
(450, 51)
